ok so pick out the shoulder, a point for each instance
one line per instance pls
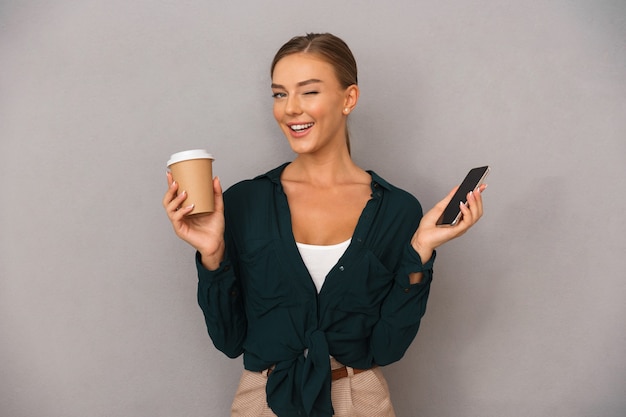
(254, 189)
(394, 196)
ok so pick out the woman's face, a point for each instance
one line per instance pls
(310, 104)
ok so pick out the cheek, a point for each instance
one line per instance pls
(277, 112)
(318, 110)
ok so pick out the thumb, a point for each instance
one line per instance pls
(441, 205)
(218, 194)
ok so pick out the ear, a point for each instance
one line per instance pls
(351, 98)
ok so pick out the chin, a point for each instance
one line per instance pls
(301, 150)
(301, 146)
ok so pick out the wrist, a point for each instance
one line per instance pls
(423, 250)
(211, 260)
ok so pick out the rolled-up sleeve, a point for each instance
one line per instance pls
(402, 309)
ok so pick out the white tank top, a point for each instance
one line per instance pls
(320, 259)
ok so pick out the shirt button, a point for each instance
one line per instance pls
(359, 240)
(406, 290)
(341, 268)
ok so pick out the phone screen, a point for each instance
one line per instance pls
(452, 213)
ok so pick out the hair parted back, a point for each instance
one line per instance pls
(328, 47)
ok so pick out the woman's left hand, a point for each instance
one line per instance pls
(429, 236)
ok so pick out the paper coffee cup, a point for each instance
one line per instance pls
(193, 171)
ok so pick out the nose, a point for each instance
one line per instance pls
(293, 105)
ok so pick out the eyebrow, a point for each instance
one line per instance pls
(300, 84)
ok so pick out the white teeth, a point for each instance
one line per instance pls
(299, 128)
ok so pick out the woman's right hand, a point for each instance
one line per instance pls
(205, 233)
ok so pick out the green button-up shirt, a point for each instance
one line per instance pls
(263, 303)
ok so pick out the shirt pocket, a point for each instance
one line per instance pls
(365, 285)
(263, 276)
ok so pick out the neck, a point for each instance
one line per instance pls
(325, 171)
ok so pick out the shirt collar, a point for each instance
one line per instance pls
(274, 176)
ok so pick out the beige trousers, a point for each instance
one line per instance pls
(365, 394)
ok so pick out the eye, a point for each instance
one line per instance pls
(279, 95)
(310, 93)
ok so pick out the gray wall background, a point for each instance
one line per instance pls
(98, 315)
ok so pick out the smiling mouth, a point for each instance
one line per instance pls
(301, 127)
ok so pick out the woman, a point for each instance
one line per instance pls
(316, 271)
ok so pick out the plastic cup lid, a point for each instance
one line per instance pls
(187, 155)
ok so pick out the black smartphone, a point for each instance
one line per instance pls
(452, 214)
